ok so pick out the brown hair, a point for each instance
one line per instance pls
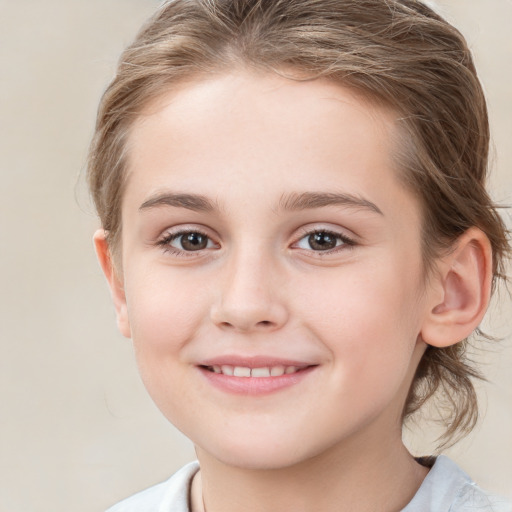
(397, 52)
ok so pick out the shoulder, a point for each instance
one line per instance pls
(171, 495)
(449, 489)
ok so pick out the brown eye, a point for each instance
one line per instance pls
(190, 241)
(322, 241)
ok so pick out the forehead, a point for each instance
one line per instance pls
(271, 134)
(260, 109)
(257, 99)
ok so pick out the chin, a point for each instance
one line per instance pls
(259, 452)
(257, 461)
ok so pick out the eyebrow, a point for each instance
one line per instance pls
(309, 200)
(189, 201)
(288, 202)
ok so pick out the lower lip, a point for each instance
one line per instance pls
(255, 385)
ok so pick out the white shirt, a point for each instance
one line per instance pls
(446, 488)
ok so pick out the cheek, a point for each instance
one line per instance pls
(164, 317)
(369, 321)
(164, 311)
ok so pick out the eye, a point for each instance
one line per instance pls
(323, 241)
(186, 241)
(190, 241)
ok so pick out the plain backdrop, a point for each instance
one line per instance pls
(77, 430)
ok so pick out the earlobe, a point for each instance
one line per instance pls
(114, 282)
(461, 291)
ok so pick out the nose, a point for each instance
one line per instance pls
(250, 296)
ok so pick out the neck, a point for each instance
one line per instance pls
(373, 476)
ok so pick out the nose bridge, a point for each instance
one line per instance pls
(249, 297)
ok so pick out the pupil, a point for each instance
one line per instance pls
(322, 241)
(194, 241)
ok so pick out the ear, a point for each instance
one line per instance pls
(460, 291)
(114, 282)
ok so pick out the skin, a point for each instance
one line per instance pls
(358, 313)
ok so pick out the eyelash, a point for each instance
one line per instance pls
(346, 242)
(165, 242)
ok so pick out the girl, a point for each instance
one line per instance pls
(298, 239)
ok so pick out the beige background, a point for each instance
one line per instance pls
(77, 431)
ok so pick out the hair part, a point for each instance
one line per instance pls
(398, 53)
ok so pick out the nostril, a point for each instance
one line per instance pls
(242, 317)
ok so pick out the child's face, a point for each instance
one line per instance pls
(264, 226)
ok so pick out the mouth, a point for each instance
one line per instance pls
(258, 373)
(253, 377)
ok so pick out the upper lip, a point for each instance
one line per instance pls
(254, 361)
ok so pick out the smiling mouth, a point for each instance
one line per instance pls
(262, 372)
(258, 377)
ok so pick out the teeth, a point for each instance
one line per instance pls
(261, 372)
(226, 370)
(244, 371)
(241, 371)
(277, 371)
